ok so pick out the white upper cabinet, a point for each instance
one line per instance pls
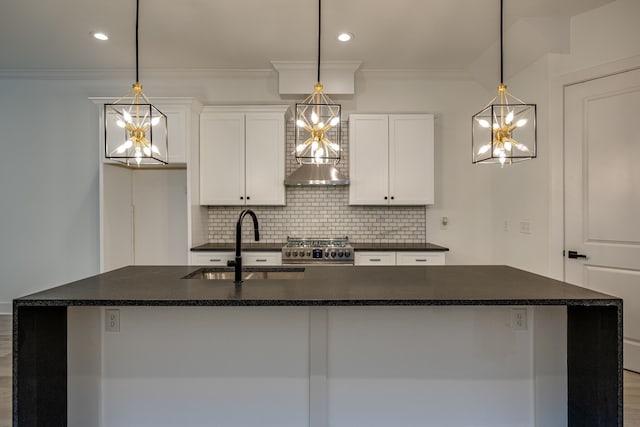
(242, 155)
(391, 159)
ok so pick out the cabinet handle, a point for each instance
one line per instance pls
(215, 260)
(374, 259)
(421, 260)
(248, 197)
(261, 260)
(385, 197)
(392, 197)
(241, 198)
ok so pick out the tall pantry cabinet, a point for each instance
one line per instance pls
(148, 216)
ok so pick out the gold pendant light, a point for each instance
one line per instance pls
(318, 122)
(135, 131)
(505, 130)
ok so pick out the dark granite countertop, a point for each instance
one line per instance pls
(417, 247)
(246, 246)
(321, 286)
(277, 247)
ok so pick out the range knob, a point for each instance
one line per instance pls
(326, 254)
(308, 253)
(333, 254)
(295, 253)
(340, 253)
(347, 253)
(287, 253)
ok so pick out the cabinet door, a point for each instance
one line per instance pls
(368, 159)
(264, 151)
(420, 258)
(177, 132)
(411, 159)
(222, 159)
(375, 258)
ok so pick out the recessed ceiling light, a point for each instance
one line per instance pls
(345, 37)
(101, 36)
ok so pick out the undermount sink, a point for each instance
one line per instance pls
(222, 273)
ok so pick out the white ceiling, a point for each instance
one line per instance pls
(248, 34)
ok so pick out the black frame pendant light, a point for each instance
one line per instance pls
(505, 131)
(135, 131)
(318, 121)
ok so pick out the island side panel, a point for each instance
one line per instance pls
(40, 366)
(594, 365)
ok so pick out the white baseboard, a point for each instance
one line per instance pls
(6, 307)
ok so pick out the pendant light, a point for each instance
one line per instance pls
(317, 141)
(135, 130)
(505, 130)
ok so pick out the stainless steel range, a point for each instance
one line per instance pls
(317, 251)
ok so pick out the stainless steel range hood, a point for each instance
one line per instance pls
(311, 174)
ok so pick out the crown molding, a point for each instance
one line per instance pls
(128, 74)
(427, 74)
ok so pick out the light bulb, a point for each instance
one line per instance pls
(138, 159)
(507, 145)
(496, 126)
(121, 149)
(484, 148)
(121, 124)
(127, 117)
(314, 145)
(155, 121)
(521, 123)
(155, 149)
(498, 151)
(522, 147)
(321, 125)
(320, 152)
(147, 151)
(335, 147)
(300, 123)
(502, 160)
(509, 118)
(314, 118)
(334, 121)
(483, 123)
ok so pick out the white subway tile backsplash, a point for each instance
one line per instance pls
(322, 212)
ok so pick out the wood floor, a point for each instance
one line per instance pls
(631, 382)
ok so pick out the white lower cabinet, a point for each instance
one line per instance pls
(249, 258)
(375, 258)
(399, 258)
(420, 258)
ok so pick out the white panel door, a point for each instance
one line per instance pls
(368, 159)
(222, 159)
(411, 159)
(602, 194)
(264, 149)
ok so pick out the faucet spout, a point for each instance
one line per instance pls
(238, 259)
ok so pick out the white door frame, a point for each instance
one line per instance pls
(556, 151)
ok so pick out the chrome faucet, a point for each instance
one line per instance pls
(238, 261)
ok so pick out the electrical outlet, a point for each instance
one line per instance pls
(525, 227)
(519, 319)
(444, 222)
(112, 320)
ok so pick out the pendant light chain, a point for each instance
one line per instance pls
(137, 19)
(501, 43)
(319, 34)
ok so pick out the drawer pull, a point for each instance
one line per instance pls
(375, 259)
(215, 260)
(261, 260)
(421, 260)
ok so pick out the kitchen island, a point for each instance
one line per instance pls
(45, 344)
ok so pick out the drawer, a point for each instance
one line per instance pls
(375, 258)
(211, 258)
(250, 258)
(420, 258)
